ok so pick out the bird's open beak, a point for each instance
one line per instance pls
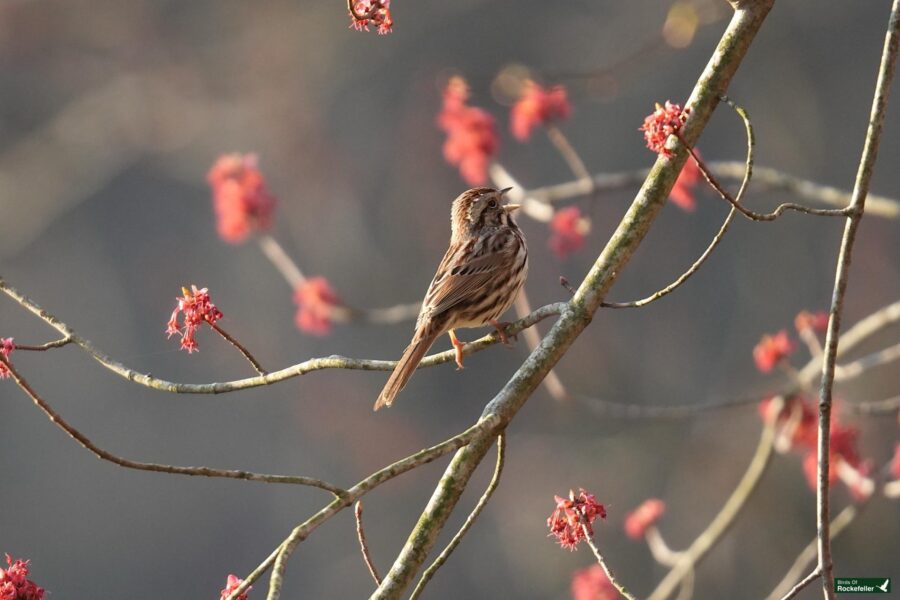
(511, 207)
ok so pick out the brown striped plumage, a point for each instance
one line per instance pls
(478, 279)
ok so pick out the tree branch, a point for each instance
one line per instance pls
(578, 313)
(857, 208)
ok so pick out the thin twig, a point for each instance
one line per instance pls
(240, 348)
(568, 152)
(363, 546)
(44, 347)
(470, 520)
(307, 366)
(873, 407)
(340, 313)
(752, 215)
(609, 574)
(748, 173)
(856, 208)
(485, 429)
(814, 574)
(722, 521)
(764, 178)
(82, 439)
(861, 365)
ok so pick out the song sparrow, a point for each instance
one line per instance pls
(478, 279)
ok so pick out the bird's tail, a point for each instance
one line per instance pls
(411, 358)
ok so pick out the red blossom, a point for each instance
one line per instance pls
(538, 106)
(569, 229)
(232, 583)
(645, 515)
(14, 582)
(315, 300)
(379, 12)
(566, 521)
(682, 193)
(196, 308)
(772, 349)
(6, 348)
(817, 321)
(471, 135)
(592, 583)
(241, 200)
(661, 123)
(797, 423)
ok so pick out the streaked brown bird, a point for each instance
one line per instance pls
(478, 279)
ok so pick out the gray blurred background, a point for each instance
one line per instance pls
(111, 113)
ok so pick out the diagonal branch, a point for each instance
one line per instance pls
(577, 315)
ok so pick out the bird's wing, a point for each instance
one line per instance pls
(463, 271)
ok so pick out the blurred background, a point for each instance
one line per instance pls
(111, 113)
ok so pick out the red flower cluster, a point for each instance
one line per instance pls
(593, 584)
(538, 106)
(471, 135)
(315, 300)
(797, 425)
(232, 584)
(569, 229)
(241, 201)
(683, 192)
(6, 348)
(772, 349)
(197, 309)
(817, 322)
(378, 13)
(645, 515)
(661, 123)
(14, 582)
(566, 520)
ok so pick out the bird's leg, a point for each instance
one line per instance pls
(501, 326)
(458, 346)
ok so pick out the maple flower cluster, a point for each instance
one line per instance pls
(472, 138)
(371, 12)
(661, 123)
(797, 430)
(231, 584)
(538, 106)
(315, 300)
(572, 516)
(14, 582)
(568, 229)
(6, 348)
(196, 308)
(241, 200)
(772, 349)
(591, 583)
(644, 516)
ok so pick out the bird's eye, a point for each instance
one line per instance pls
(492, 204)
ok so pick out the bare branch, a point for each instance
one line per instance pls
(363, 546)
(815, 574)
(307, 366)
(857, 208)
(100, 453)
(470, 520)
(240, 348)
